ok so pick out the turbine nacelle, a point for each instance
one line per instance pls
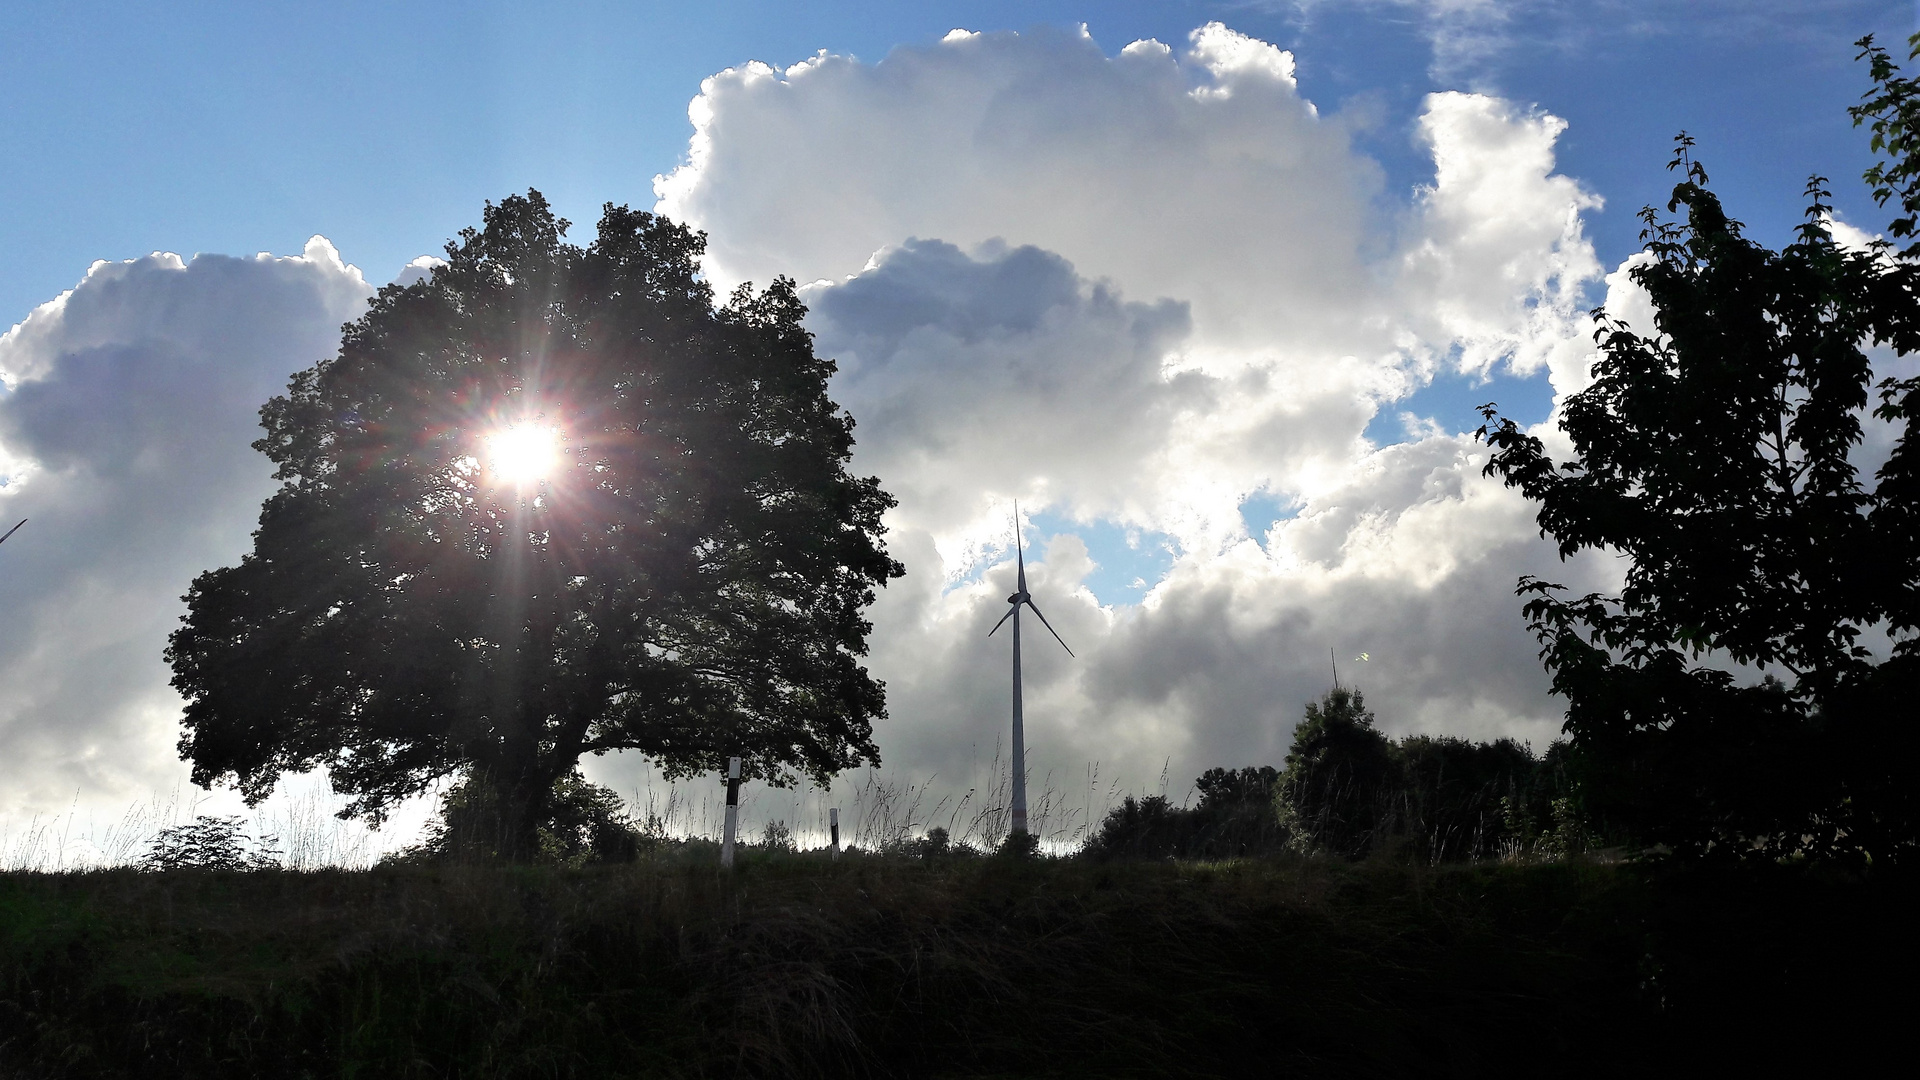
(1021, 595)
(1013, 605)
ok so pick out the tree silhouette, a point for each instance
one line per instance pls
(1336, 774)
(1716, 452)
(687, 581)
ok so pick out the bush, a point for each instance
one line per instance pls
(210, 843)
(777, 837)
(1350, 791)
(1019, 845)
(939, 844)
(1234, 817)
(584, 823)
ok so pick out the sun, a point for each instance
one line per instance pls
(524, 453)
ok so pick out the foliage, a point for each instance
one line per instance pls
(1459, 799)
(1019, 845)
(777, 837)
(1348, 790)
(1225, 788)
(1891, 110)
(938, 844)
(590, 823)
(867, 966)
(1234, 817)
(1716, 453)
(688, 582)
(585, 824)
(210, 843)
(1335, 786)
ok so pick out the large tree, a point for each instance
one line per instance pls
(1751, 688)
(549, 501)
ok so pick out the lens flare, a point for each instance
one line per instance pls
(524, 453)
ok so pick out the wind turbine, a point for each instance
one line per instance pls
(15, 529)
(1021, 596)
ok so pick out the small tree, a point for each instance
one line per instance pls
(1331, 793)
(1715, 453)
(551, 501)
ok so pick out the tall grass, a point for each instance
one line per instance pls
(879, 811)
(795, 965)
(301, 821)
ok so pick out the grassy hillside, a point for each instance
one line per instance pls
(954, 967)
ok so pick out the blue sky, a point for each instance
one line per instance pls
(242, 127)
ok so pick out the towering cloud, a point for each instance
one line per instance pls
(126, 424)
(1202, 176)
(1145, 294)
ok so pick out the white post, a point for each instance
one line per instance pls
(833, 827)
(733, 812)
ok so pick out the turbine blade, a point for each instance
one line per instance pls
(1004, 618)
(1019, 548)
(1050, 629)
(15, 529)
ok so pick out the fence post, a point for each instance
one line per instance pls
(833, 826)
(733, 812)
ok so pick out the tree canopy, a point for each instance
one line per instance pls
(1748, 689)
(549, 501)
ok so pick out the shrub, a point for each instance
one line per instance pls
(1019, 845)
(584, 823)
(1348, 790)
(777, 837)
(210, 843)
(1234, 817)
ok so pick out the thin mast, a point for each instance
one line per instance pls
(1019, 721)
(1018, 810)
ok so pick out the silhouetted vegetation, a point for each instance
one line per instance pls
(1234, 816)
(686, 578)
(1348, 790)
(210, 843)
(904, 966)
(1717, 452)
(584, 823)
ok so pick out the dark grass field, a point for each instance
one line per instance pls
(796, 966)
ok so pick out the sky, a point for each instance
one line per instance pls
(1210, 288)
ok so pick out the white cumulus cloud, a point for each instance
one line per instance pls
(126, 425)
(1133, 291)
(1201, 175)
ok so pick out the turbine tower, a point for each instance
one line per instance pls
(1021, 596)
